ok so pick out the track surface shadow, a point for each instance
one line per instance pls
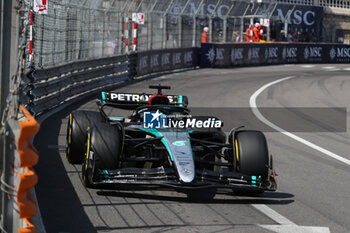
(59, 204)
(267, 198)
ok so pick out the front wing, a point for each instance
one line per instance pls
(167, 177)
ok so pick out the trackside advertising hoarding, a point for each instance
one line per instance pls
(245, 54)
(303, 20)
(163, 60)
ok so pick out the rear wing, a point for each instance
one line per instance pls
(134, 100)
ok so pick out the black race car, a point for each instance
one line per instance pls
(149, 148)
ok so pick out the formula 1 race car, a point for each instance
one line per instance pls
(162, 145)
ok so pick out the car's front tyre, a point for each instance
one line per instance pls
(103, 151)
(250, 155)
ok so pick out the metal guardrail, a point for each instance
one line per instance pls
(43, 90)
(48, 88)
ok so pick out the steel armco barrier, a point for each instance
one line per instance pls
(48, 88)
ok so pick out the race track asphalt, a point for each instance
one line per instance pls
(313, 189)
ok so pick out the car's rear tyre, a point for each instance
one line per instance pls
(103, 151)
(78, 123)
(251, 156)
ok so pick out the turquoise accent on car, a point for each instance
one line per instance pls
(156, 133)
(116, 118)
(179, 143)
(180, 101)
(103, 97)
(254, 181)
(105, 172)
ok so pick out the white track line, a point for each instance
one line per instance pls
(253, 106)
(273, 214)
(285, 225)
(333, 70)
(295, 229)
(308, 66)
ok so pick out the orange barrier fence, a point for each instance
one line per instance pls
(29, 157)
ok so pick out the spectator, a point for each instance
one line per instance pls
(256, 33)
(205, 35)
(249, 34)
(308, 37)
(281, 36)
(290, 37)
(261, 32)
(114, 45)
(300, 37)
(236, 37)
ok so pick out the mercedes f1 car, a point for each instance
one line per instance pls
(143, 150)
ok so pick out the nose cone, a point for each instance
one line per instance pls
(181, 151)
(183, 158)
(186, 173)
